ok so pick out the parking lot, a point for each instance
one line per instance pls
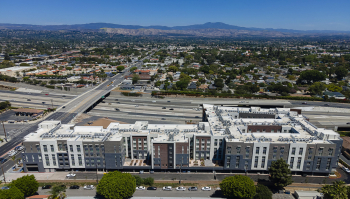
(10, 115)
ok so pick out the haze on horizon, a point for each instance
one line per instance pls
(297, 14)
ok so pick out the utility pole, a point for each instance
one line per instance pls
(96, 173)
(51, 103)
(3, 173)
(3, 126)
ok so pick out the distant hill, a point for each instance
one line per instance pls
(206, 29)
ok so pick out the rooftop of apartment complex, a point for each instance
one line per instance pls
(275, 125)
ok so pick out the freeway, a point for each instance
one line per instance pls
(72, 108)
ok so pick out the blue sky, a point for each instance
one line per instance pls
(291, 14)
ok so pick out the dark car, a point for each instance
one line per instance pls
(193, 189)
(197, 117)
(103, 102)
(164, 107)
(152, 188)
(118, 102)
(116, 99)
(163, 119)
(29, 100)
(2, 160)
(63, 106)
(63, 96)
(117, 109)
(74, 187)
(326, 104)
(46, 187)
(171, 109)
(168, 101)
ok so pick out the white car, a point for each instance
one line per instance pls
(346, 169)
(206, 188)
(167, 188)
(132, 100)
(89, 187)
(11, 152)
(140, 188)
(180, 189)
(154, 101)
(136, 105)
(71, 175)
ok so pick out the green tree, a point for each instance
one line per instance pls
(133, 68)
(317, 88)
(263, 192)
(138, 180)
(120, 68)
(116, 185)
(334, 88)
(57, 192)
(238, 186)
(173, 68)
(311, 76)
(24, 64)
(182, 84)
(148, 181)
(280, 174)
(26, 184)
(12, 193)
(135, 78)
(337, 190)
(341, 72)
(219, 83)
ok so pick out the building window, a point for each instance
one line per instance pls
(301, 151)
(229, 150)
(320, 151)
(72, 159)
(310, 150)
(52, 148)
(238, 150)
(215, 142)
(299, 163)
(39, 157)
(65, 147)
(274, 157)
(60, 147)
(80, 160)
(264, 150)
(291, 162)
(309, 157)
(256, 162)
(263, 162)
(47, 160)
(293, 151)
(257, 150)
(78, 149)
(182, 149)
(237, 161)
(45, 148)
(330, 151)
(328, 163)
(38, 148)
(71, 148)
(318, 164)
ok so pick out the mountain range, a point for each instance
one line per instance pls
(206, 29)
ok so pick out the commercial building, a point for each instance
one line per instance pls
(230, 139)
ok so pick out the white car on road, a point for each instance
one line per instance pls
(12, 151)
(346, 169)
(206, 188)
(89, 187)
(167, 188)
(71, 175)
(140, 188)
(180, 189)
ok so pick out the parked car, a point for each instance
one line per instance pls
(71, 175)
(63, 106)
(19, 148)
(206, 188)
(152, 188)
(346, 169)
(197, 117)
(348, 123)
(193, 189)
(63, 96)
(2, 160)
(117, 109)
(46, 187)
(163, 118)
(89, 187)
(167, 188)
(10, 152)
(168, 101)
(116, 99)
(140, 188)
(5, 188)
(180, 189)
(74, 187)
(136, 105)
